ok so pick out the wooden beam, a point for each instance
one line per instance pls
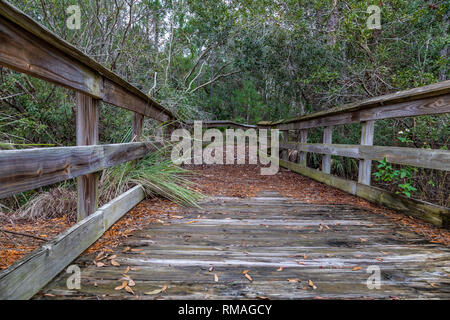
(27, 276)
(436, 215)
(346, 115)
(23, 170)
(365, 165)
(137, 125)
(424, 158)
(327, 139)
(23, 52)
(285, 140)
(87, 134)
(27, 47)
(303, 155)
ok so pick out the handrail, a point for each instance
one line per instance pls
(30, 48)
(223, 123)
(427, 100)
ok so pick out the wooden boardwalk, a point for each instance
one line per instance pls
(331, 245)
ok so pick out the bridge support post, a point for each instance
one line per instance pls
(285, 140)
(365, 166)
(137, 125)
(327, 139)
(87, 134)
(302, 157)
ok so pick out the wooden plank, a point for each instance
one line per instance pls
(87, 134)
(23, 52)
(303, 155)
(30, 48)
(137, 125)
(345, 115)
(121, 97)
(285, 141)
(27, 276)
(365, 165)
(424, 158)
(436, 215)
(22, 170)
(327, 139)
(226, 124)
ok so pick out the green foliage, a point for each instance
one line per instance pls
(387, 173)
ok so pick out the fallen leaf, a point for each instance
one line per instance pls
(249, 278)
(280, 269)
(312, 285)
(137, 250)
(216, 278)
(115, 263)
(356, 268)
(300, 263)
(127, 270)
(157, 291)
(379, 259)
(191, 222)
(295, 280)
(262, 298)
(245, 271)
(129, 290)
(100, 264)
(363, 240)
(126, 249)
(112, 257)
(211, 269)
(124, 284)
(131, 283)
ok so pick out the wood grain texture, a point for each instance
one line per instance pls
(136, 127)
(87, 134)
(226, 124)
(263, 234)
(327, 139)
(431, 99)
(23, 52)
(27, 276)
(437, 215)
(28, 47)
(22, 170)
(303, 155)
(365, 165)
(424, 158)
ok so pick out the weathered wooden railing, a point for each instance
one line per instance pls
(27, 47)
(428, 100)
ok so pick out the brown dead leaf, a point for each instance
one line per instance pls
(129, 290)
(216, 278)
(356, 268)
(312, 285)
(245, 271)
(280, 269)
(249, 278)
(126, 249)
(124, 284)
(157, 291)
(295, 280)
(115, 263)
(127, 270)
(99, 264)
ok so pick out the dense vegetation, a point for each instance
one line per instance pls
(248, 61)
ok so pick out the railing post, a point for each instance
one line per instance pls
(365, 166)
(87, 134)
(285, 140)
(137, 125)
(302, 159)
(327, 139)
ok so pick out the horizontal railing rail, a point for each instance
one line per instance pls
(23, 170)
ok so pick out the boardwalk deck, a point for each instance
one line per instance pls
(321, 243)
